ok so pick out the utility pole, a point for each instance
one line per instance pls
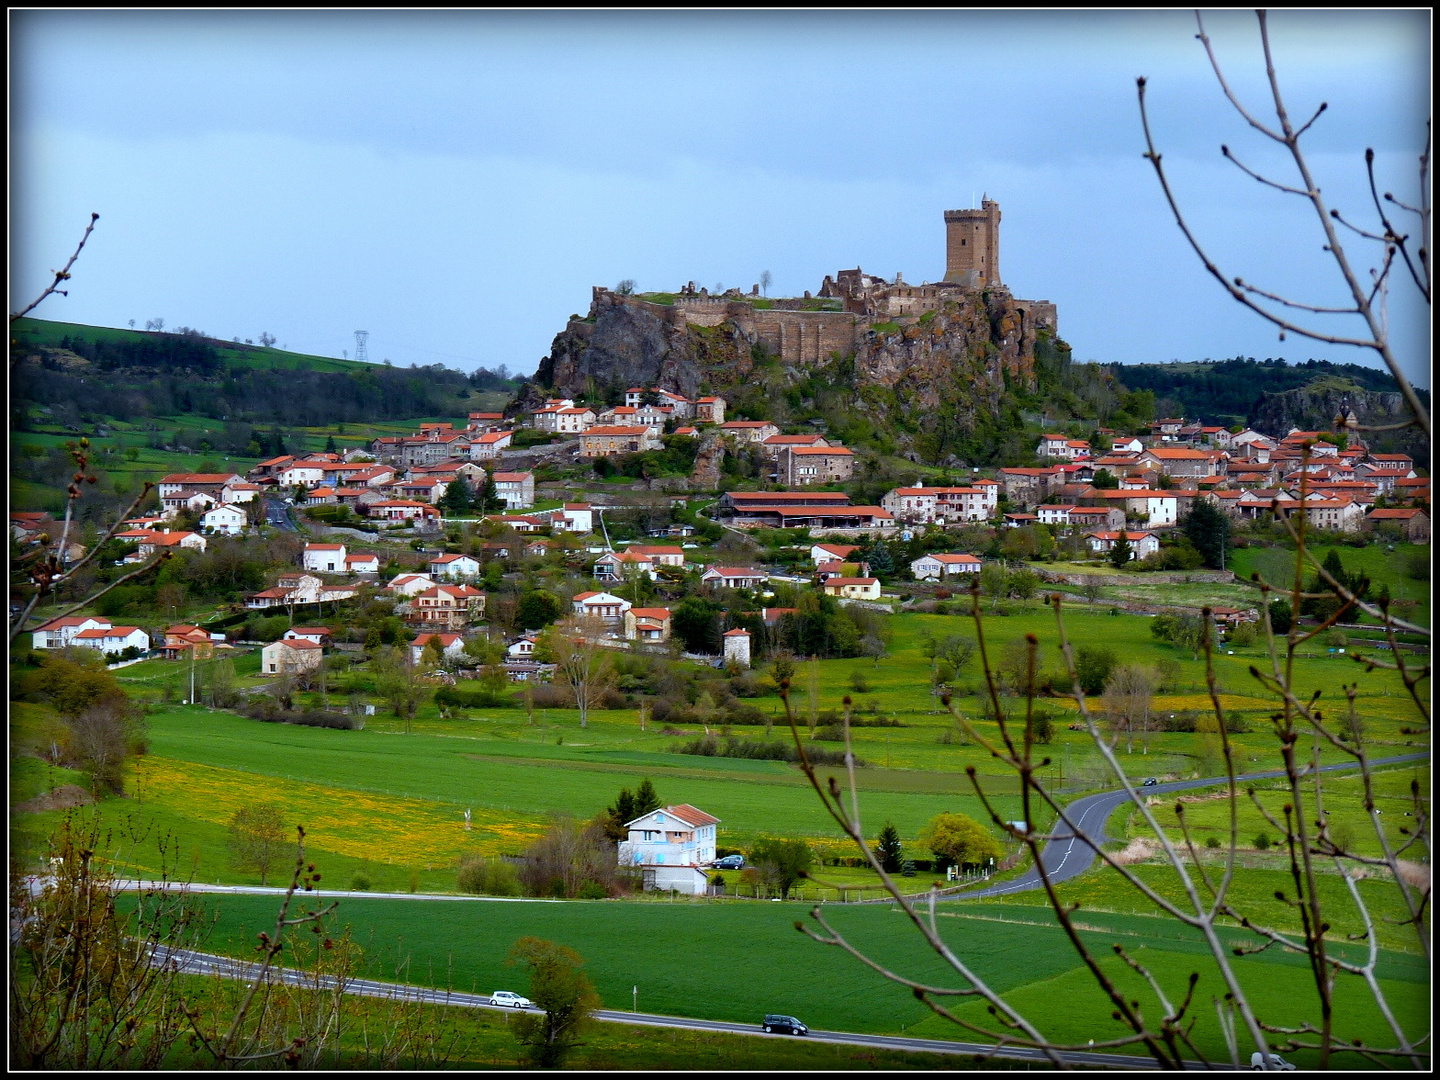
(192, 673)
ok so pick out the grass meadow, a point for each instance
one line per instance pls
(737, 960)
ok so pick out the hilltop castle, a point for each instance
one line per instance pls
(839, 317)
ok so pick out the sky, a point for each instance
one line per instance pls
(456, 182)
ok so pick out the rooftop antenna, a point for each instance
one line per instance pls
(362, 352)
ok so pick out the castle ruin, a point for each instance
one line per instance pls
(845, 311)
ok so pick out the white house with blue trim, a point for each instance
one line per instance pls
(671, 845)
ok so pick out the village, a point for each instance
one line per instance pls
(1126, 491)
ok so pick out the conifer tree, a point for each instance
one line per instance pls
(888, 848)
(1121, 552)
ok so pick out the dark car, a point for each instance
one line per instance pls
(730, 862)
(1149, 781)
(784, 1025)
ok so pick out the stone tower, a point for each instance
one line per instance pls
(972, 245)
(737, 648)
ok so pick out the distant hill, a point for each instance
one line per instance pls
(130, 374)
(1234, 391)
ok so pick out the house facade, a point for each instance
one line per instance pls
(290, 657)
(325, 558)
(516, 488)
(671, 846)
(935, 567)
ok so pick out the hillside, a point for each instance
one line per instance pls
(76, 372)
(1234, 391)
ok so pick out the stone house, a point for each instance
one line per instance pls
(610, 440)
(651, 625)
(516, 488)
(1413, 522)
(803, 465)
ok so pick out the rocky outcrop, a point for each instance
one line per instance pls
(1314, 407)
(625, 342)
(960, 355)
(705, 476)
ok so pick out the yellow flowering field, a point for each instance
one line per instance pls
(359, 824)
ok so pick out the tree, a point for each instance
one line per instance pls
(1104, 480)
(1281, 617)
(537, 609)
(330, 444)
(1127, 697)
(257, 837)
(961, 839)
(100, 738)
(1121, 552)
(456, 501)
(487, 499)
(397, 682)
(562, 990)
(267, 339)
(1208, 530)
(646, 799)
(433, 655)
(1023, 583)
(765, 280)
(888, 848)
(993, 582)
(581, 661)
(781, 863)
(1093, 664)
(696, 622)
(625, 287)
(882, 564)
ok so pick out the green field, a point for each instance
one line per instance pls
(733, 961)
(1276, 565)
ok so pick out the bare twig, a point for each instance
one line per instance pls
(61, 275)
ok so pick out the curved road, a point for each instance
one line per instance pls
(1070, 855)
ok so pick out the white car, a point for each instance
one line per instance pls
(513, 1001)
(1277, 1063)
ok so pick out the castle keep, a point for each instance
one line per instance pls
(972, 246)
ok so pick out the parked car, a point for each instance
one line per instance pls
(784, 1025)
(1277, 1063)
(730, 862)
(510, 1000)
(1149, 781)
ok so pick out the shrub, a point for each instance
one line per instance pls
(1212, 842)
(361, 882)
(734, 747)
(480, 876)
(1262, 842)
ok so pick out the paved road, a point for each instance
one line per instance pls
(278, 514)
(208, 964)
(1071, 855)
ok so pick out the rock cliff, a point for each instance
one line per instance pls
(1314, 407)
(960, 355)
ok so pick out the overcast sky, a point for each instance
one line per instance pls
(455, 182)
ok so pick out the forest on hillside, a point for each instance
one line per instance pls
(1230, 391)
(134, 375)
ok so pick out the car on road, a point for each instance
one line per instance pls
(729, 862)
(1149, 781)
(1277, 1063)
(510, 1000)
(775, 1023)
